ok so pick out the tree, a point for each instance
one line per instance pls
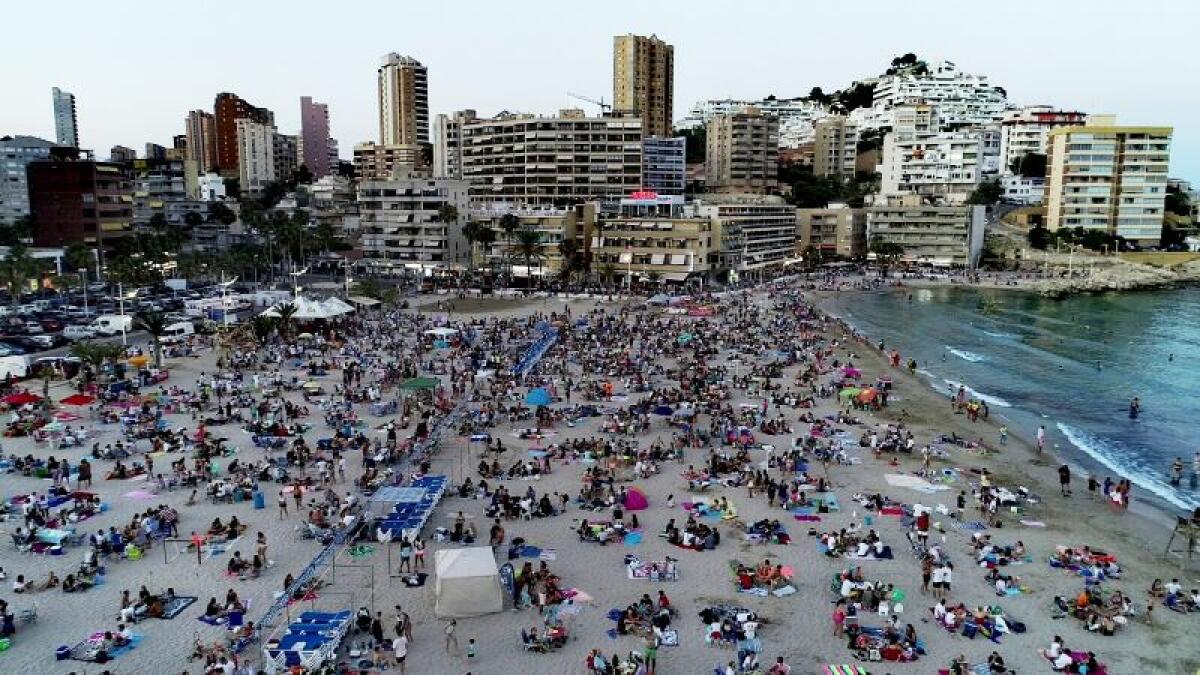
(64, 283)
(79, 256)
(345, 170)
(486, 236)
(96, 354)
(222, 214)
(572, 258)
(529, 246)
(987, 193)
(1039, 237)
(1178, 202)
(887, 253)
(302, 176)
(158, 223)
(695, 144)
(607, 271)
(15, 270)
(816, 95)
(193, 219)
(1030, 165)
(263, 327)
(155, 324)
(509, 223)
(286, 312)
(370, 287)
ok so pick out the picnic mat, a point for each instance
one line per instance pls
(174, 607)
(973, 525)
(86, 649)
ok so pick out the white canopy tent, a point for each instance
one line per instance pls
(468, 583)
(308, 309)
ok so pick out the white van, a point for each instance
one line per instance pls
(177, 332)
(78, 333)
(16, 366)
(111, 324)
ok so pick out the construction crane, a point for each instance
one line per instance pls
(604, 107)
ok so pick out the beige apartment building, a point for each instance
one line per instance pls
(1101, 176)
(644, 81)
(834, 231)
(673, 247)
(373, 161)
(835, 147)
(551, 161)
(742, 152)
(941, 236)
(403, 101)
(757, 232)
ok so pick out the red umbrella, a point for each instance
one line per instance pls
(77, 399)
(22, 398)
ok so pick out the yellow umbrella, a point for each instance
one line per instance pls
(139, 361)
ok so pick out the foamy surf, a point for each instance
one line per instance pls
(978, 395)
(1123, 465)
(965, 355)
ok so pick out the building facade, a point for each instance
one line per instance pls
(447, 143)
(944, 167)
(200, 127)
(644, 81)
(962, 99)
(121, 154)
(941, 236)
(742, 152)
(838, 231)
(256, 154)
(399, 225)
(377, 162)
(660, 236)
(664, 165)
(1025, 131)
(755, 233)
(79, 201)
(553, 225)
(403, 101)
(66, 123)
(285, 149)
(797, 116)
(552, 161)
(835, 147)
(1022, 190)
(227, 110)
(314, 135)
(1101, 176)
(16, 152)
(157, 184)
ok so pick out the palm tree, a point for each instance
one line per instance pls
(263, 327)
(571, 258)
(509, 223)
(155, 324)
(286, 311)
(15, 270)
(96, 354)
(607, 272)
(370, 287)
(470, 232)
(486, 236)
(79, 257)
(64, 283)
(887, 253)
(447, 213)
(529, 245)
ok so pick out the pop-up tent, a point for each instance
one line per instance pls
(635, 499)
(468, 583)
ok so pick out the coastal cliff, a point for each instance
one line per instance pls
(1121, 276)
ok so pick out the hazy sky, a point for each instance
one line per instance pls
(136, 67)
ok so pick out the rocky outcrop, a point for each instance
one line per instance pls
(1122, 276)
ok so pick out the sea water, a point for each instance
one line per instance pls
(1071, 365)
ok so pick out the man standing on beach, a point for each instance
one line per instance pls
(1064, 480)
(1041, 438)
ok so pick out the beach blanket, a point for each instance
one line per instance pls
(886, 555)
(973, 525)
(833, 669)
(1033, 523)
(806, 518)
(173, 608)
(913, 483)
(89, 649)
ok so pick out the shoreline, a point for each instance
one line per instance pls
(1146, 503)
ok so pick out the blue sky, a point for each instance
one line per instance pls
(138, 67)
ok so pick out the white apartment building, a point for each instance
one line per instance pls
(1022, 190)
(16, 152)
(400, 229)
(945, 166)
(555, 161)
(210, 187)
(1024, 131)
(256, 154)
(1101, 176)
(447, 143)
(797, 116)
(962, 99)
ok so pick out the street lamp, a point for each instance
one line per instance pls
(83, 275)
(121, 302)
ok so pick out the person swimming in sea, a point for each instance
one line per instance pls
(1135, 407)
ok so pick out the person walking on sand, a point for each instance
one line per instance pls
(451, 638)
(1003, 435)
(1064, 480)
(282, 505)
(1041, 438)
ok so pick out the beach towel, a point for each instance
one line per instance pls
(833, 669)
(1033, 523)
(805, 518)
(973, 525)
(173, 608)
(633, 538)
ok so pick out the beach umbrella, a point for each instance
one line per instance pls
(663, 410)
(867, 395)
(635, 499)
(417, 383)
(305, 336)
(311, 384)
(22, 398)
(849, 392)
(538, 396)
(851, 372)
(139, 361)
(685, 338)
(77, 399)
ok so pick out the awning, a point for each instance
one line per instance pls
(363, 300)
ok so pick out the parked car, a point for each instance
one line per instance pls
(33, 328)
(7, 348)
(52, 325)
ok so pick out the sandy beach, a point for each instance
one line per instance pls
(796, 627)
